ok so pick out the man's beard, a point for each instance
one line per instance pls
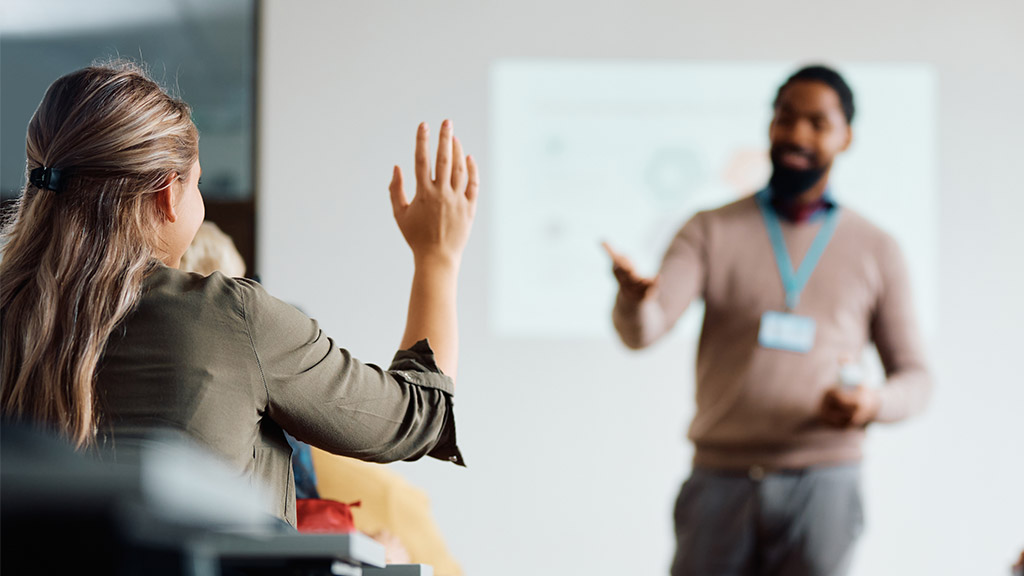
(789, 183)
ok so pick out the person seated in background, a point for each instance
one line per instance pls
(104, 338)
(212, 251)
(390, 510)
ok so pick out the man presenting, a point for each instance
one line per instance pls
(795, 286)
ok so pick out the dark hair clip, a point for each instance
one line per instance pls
(45, 178)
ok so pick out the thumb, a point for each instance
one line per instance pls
(399, 202)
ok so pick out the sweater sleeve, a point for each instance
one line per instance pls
(325, 397)
(895, 333)
(681, 279)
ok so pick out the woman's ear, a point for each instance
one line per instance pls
(164, 197)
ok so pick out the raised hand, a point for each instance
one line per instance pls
(436, 225)
(632, 285)
(437, 222)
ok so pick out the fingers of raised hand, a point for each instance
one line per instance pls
(423, 154)
(399, 202)
(443, 169)
(473, 184)
(460, 177)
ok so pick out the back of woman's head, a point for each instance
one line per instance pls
(75, 258)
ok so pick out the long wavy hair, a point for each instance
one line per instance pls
(74, 260)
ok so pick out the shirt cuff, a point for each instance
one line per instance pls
(446, 447)
(416, 365)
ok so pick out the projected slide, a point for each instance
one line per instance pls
(627, 151)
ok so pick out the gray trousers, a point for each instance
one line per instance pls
(788, 523)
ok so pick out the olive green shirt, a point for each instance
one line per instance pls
(223, 361)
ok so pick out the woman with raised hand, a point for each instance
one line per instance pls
(104, 338)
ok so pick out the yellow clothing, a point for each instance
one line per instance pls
(388, 502)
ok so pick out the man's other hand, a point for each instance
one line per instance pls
(850, 406)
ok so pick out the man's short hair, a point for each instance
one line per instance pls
(827, 76)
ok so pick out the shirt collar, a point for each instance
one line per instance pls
(799, 214)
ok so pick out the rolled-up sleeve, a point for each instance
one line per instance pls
(324, 396)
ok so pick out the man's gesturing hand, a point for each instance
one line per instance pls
(634, 287)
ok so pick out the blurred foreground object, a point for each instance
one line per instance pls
(163, 506)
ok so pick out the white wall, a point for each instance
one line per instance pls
(576, 448)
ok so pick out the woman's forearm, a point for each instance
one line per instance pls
(436, 225)
(433, 311)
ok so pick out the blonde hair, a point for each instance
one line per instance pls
(211, 251)
(75, 260)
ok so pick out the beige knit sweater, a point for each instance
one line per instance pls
(758, 406)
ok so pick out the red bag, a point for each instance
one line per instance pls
(318, 515)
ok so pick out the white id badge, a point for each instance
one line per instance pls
(788, 332)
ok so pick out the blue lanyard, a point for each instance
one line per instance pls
(793, 281)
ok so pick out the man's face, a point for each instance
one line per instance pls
(808, 130)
